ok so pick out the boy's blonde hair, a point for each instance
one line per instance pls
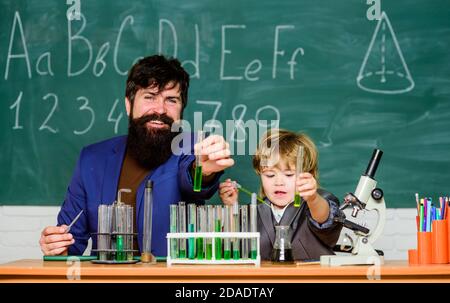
(280, 146)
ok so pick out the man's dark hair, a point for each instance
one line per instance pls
(157, 71)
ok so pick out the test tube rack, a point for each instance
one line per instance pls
(109, 255)
(115, 233)
(242, 235)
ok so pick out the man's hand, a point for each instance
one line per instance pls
(228, 193)
(55, 241)
(214, 155)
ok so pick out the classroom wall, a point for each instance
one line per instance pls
(20, 228)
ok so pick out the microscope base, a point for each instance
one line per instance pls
(333, 260)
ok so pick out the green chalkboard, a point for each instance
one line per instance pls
(322, 67)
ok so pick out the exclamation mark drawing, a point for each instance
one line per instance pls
(384, 69)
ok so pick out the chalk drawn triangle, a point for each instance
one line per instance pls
(384, 70)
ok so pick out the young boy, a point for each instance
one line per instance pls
(312, 229)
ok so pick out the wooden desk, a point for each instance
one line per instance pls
(56, 271)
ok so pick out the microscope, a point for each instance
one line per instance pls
(366, 197)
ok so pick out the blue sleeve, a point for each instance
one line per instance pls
(74, 202)
(328, 232)
(330, 221)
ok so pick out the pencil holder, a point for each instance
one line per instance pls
(448, 238)
(412, 257)
(439, 242)
(424, 247)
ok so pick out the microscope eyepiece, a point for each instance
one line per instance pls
(373, 164)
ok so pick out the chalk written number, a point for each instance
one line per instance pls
(84, 107)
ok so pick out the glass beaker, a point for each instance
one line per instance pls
(282, 249)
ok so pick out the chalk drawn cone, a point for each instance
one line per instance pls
(384, 69)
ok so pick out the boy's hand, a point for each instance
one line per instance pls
(228, 192)
(306, 186)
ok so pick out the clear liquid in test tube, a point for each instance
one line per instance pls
(218, 228)
(244, 228)
(173, 229)
(210, 226)
(253, 228)
(236, 229)
(227, 228)
(182, 228)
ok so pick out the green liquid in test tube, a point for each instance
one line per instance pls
(218, 240)
(191, 242)
(198, 165)
(298, 171)
(208, 251)
(201, 227)
(200, 252)
(227, 228)
(119, 247)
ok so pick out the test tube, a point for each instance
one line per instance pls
(235, 226)
(201, 227)
(146, 255)
(130, 224)
(173, 229)
(218, 228)
(192, 222)
(102, 227)
(240, 188)
(198, 166)
(119, 229)
(244, 228)
(108, 230)
(227, 228)
(210, 224)
(298, 171)
(182, 227)
(253, 212)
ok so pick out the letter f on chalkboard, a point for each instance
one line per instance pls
(74, 12)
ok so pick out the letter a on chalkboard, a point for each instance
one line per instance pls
(384, 69)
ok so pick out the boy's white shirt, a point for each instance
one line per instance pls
(277, 212)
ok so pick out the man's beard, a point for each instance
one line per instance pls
(150, 147)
